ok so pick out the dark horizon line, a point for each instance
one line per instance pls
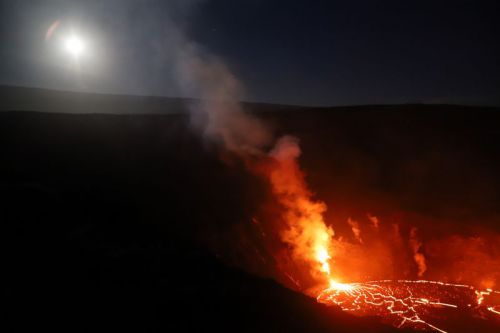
(245, 102)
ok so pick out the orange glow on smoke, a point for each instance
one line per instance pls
(306, 233)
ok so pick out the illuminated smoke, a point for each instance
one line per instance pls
(306, 232)
(374, 220)
(416, 245)
(355, 229)
(466, 259)
(221, 118)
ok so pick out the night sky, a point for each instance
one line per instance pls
(290, 52)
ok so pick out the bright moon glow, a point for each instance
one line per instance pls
(74, 46)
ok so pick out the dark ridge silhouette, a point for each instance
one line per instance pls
(56, 101)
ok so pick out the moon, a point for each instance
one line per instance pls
(75, 46)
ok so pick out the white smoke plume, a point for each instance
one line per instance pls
(206, 76)
(222, 119)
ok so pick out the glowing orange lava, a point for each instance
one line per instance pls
(406, 303)
(415, 304)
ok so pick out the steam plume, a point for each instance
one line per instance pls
(355, 229)
(416, 245)
(223, 120)
(374, 220)
(219, 91)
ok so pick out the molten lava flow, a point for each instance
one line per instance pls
(415, 304)
(405, 303)
(418, 304)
